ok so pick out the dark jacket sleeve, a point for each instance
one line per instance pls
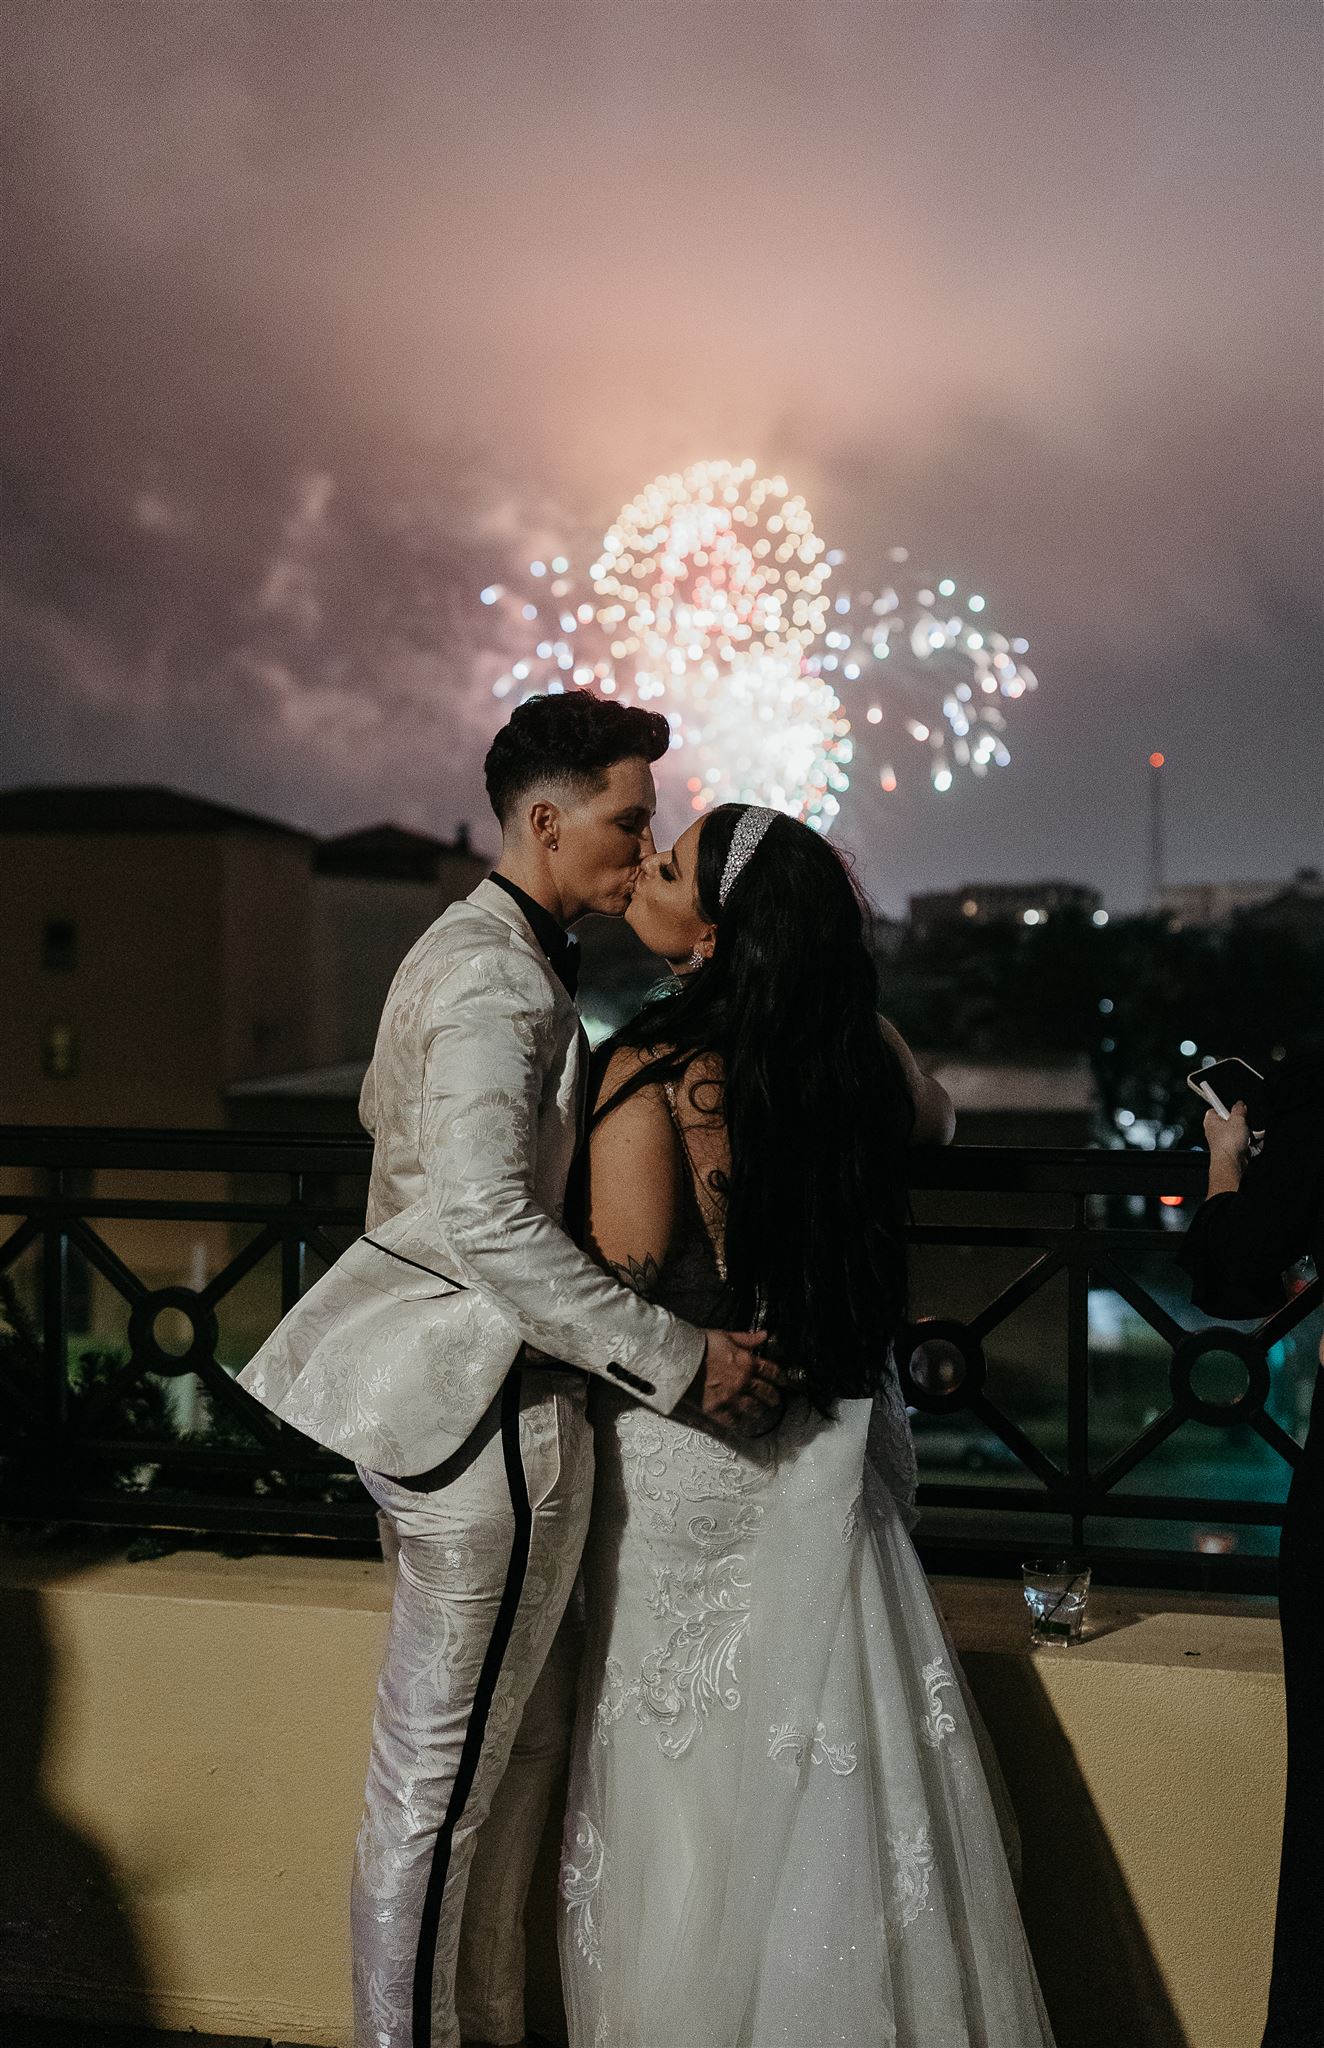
(1239, 1244)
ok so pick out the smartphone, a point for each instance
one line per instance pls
(1228, 1082)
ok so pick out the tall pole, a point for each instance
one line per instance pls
(1156, 848)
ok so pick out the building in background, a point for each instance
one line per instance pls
(1296, 906)
(160, 951)
(373, 893)
(155, 947)
(940, 910)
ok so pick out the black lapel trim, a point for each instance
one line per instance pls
(459, 1288)
(471, 1751)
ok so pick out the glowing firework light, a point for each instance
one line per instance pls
(708, 601)
(923, 664)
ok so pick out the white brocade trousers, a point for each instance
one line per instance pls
(472, 1723)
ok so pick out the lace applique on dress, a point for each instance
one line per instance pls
(579, 1887)
(700, 1467)
(643, 1464)
(912, 1866)
(938, 1722)
(616, 1697)
(695, 1670)
(787, 1744)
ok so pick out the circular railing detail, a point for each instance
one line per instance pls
(1201, 1344)
(147, 1344)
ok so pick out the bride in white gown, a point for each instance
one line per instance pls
(780, 1829)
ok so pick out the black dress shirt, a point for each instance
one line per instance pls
(562, 951)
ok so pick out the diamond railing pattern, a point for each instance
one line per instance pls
(118, 1402)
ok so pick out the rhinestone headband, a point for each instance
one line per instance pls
(749, 831)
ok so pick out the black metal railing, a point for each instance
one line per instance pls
(118, 1403)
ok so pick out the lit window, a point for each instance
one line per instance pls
(59, 1051)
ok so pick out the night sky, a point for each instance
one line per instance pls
(317, 318)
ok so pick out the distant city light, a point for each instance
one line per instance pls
(1157, 760)
(1100, 918)
(946, 588)
(491, 594)
(1126, 1117)
(1188, 1048)
(976, 604)
(1106, 1007)
(1171, 1201)
(1032, 916)
(537, 568)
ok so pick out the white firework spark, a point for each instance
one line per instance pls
(923, 665)
(708, 601)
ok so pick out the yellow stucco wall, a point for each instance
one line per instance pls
(183, 1755)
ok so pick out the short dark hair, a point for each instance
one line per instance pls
(572, 739)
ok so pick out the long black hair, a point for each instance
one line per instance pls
(816, 1106)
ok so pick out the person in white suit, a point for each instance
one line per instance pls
(409, 1357)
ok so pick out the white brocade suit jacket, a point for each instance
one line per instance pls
(474, 1100)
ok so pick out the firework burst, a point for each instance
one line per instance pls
(924, 666)
(709, 601)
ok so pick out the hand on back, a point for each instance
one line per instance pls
(737, 1387)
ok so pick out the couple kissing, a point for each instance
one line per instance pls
(613, 1357)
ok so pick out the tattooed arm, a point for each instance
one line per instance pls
(634, 1185)
(633, 1181)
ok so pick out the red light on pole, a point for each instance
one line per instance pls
(1156, 761)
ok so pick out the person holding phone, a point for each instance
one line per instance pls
(1262, 1214)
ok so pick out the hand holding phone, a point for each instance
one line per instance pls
(1228, 1082)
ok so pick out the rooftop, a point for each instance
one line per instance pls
(91, 807)
(390, 853)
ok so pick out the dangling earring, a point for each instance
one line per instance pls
(696, 960)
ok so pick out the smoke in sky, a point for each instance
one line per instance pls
(318, 318)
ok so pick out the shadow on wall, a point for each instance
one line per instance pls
(67, 1943)
(1099, 1979)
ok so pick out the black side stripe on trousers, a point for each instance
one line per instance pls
(472, 1748)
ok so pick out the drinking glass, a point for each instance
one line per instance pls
(1056, 1591)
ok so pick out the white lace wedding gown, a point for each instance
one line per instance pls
(780, 1830)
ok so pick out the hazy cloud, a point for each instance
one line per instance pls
(318, 317)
